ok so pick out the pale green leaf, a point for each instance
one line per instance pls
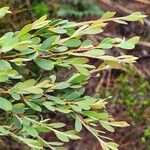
(33, 105)
(62, 137)
(5, 104)
(106, 43)
(44, 64)
(30, 130)
(49, 106)
(25, 29)
(107, 126)
(4, 11)
(78, 124)
(94, 52)
(72, 43)
(61, 85)
(4, 65)
(108, 15)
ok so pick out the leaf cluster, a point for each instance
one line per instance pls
(29, 64)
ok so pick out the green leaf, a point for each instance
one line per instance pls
(49, 106)
(96, 115)
(94, 52)
(108, 15)
(32, 56)
(5, 104)
(121, 22)
(18, 108)
(112, 145)
(52, 78)
(73, 96)
(113, 64)
(61, 49)
(27, 84)
(57, 125)
(4, 11)
(44, 63)
(9, 45)
(33, 105)
(15, 96)
(4, 65)
(22, 45)
(126, 45)
(61, 85)
(30, 130)
(80, 31)
(119, 124)
(25, 29)
(57, 100)
(3, 131)
(46, 44)
(40, 22)
(62, 137)
(69, 25)
(107, 126)
(78, 124)
(86, 44)
(17, 121)
(34, 90)
(76, 108)
(104, 145)
(72, 135)
(136, 16)
(134, 40)
(34, 144)
(76, 60)
(77, 78)
(82, 70)
(129, 44)
(84, 104)
(25, 37)
(3, 78)
(93, 29)
(72, 43)
(98, 105)
(36, 40)
(58, 30)
(106, 43)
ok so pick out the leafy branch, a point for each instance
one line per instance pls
(29, 64)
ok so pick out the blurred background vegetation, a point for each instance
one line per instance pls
(129, 88)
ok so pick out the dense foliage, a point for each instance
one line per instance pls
(67, 8)
(132, 92)
(30, 60)
(79, 9)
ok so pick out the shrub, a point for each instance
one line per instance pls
(40, 9)
(79, 9)
(29, 63)
(132, 91)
